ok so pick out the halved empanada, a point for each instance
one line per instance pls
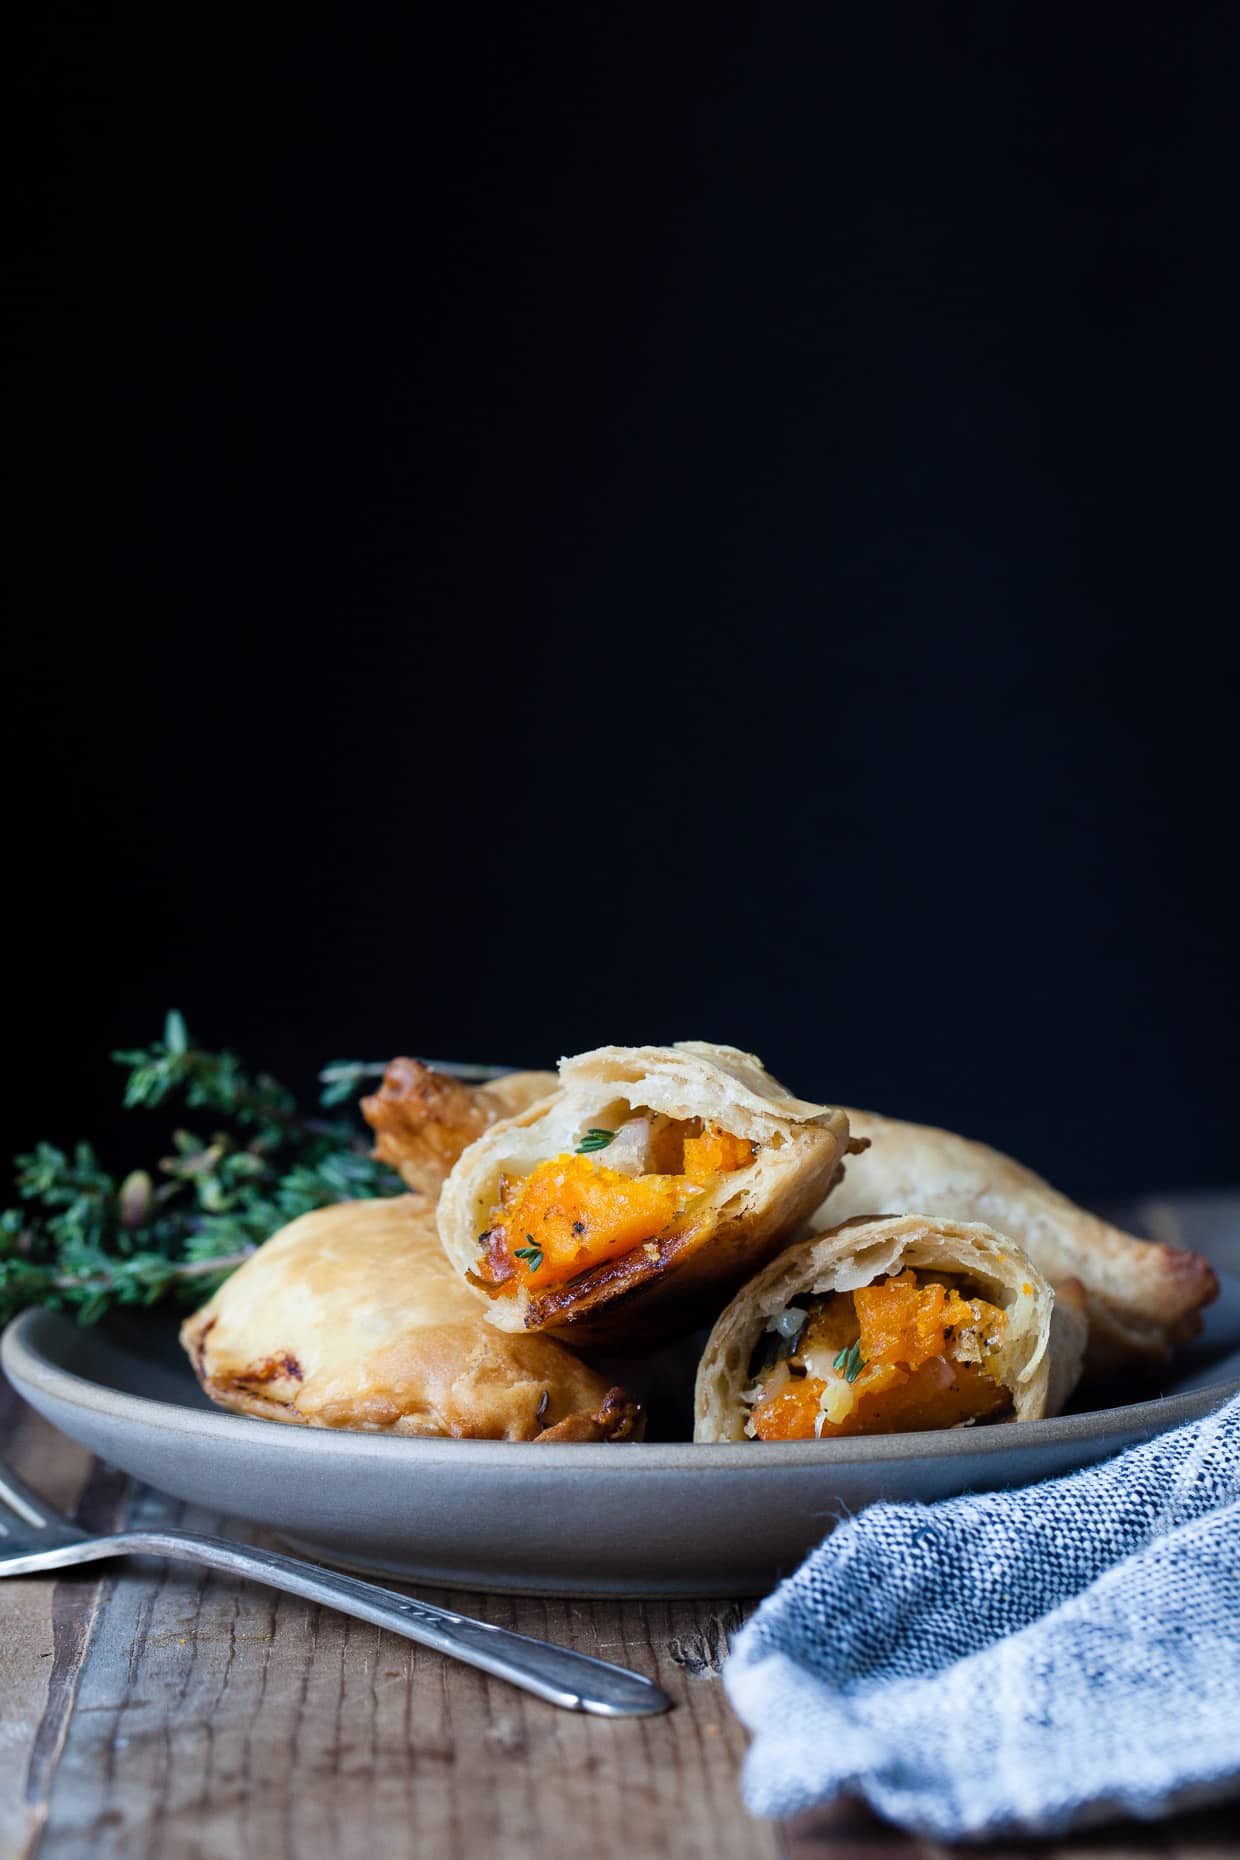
(352, 1317)
(889, 1326)
(1141, 1298)
(652, 1183)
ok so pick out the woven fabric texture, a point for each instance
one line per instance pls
(1018, 1662)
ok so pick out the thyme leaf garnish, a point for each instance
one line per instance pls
(850, 1361)
(595, 1139)
(531, 1254)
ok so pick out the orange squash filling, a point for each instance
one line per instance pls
(572, 1212)
(901, 1356)
(715, 1152)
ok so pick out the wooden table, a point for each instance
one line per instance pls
(150, 1709)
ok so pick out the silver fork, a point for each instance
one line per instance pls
(34, 1537)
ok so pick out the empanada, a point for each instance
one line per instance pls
(352, 1317)
(889, 1326)
(423, 1119)
(1142, 1298)
(651, 1184)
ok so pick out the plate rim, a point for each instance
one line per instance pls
(26, 1363)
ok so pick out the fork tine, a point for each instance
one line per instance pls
(16, 1496)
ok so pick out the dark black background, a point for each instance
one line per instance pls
(553, 525)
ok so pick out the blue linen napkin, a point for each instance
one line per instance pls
(1021, 1661)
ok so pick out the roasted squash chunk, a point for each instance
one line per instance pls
(715, 1152)
(900, 1356)
(572, 1212)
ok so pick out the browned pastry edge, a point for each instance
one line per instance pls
(617, 1419)
(423, 1119)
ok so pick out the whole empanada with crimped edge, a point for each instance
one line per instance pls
(621, 1244)
(1142, 1298)
(351, 1317)
(1038, 1360)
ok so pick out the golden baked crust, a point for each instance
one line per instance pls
(1039, 1360)
(423, 1119)
(643, 1296)
(351, 1317)
(1142, 1298)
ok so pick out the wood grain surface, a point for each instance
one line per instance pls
(160, 1712)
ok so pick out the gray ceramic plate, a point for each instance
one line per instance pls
(659, 1518)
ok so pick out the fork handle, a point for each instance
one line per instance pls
(30, 1508)
(564, 1677)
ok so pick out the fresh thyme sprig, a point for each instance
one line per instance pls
(531, 1254)
(83, 1240)
(595, 1139)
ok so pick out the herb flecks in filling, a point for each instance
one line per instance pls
(904, 1355)
(574, 1212)
(850, 1362)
